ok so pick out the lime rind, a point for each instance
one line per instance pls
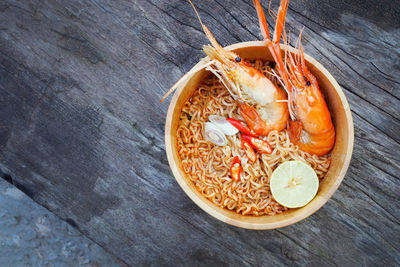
(294, 184)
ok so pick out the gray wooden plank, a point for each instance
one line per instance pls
(82, 130)
(30, 235)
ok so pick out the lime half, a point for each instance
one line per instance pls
(294, 184)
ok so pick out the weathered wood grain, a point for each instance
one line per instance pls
(81, 129)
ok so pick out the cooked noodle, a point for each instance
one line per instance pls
(208, 165)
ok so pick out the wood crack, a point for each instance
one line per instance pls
(364, 221)
(162, 55)
(298, 244)
(383, 170)
(364, 78)
(174, 18)
(190, 223)
(393, 218)
(386, 76)
(321, 36)
(221, 24)
(369, 102)
(371, 226)
(375, 127)
(370, 141)
(235, 19)
(162, 30)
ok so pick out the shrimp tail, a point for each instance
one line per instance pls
(253, 119)
(294, 129)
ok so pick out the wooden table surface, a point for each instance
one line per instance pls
(81, 126)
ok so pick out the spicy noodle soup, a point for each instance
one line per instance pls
(207, 165)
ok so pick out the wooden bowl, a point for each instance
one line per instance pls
(341, 153)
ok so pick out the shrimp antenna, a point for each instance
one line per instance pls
(214, 44)
(184, 77)
(271, 12)
(298, 44)
(286, 40)
(205, 29)
(290, 96)
(223, 54)
(197, 14)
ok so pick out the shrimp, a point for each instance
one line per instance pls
(312, 128)
(310, 125)
(261, 102)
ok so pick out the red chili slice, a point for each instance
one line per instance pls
(260, 145)
(241, 126)
(236, 168)
(248, 149)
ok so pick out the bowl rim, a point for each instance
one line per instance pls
(271, 225)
